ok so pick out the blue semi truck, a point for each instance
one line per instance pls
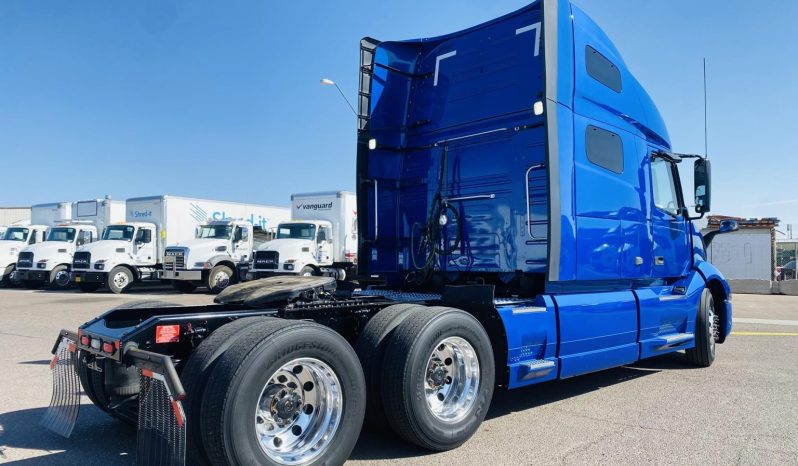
(521, 220)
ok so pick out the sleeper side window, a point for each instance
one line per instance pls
(604, 148)
(602, 69)
(663, 185)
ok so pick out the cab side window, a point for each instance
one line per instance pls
(143, 236)
(84, 237)
(664, 187)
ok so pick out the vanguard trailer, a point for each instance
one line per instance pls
(521, 219)
(320, 239)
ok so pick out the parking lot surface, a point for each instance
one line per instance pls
(742, 410)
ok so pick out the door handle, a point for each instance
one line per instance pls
(659, 260)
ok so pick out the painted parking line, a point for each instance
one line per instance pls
(767, 334)
(746, 320)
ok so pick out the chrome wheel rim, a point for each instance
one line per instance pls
(221, 280)
(299, 411)
(120, 280)
(712, 326)
(452, 379)
(62, 278)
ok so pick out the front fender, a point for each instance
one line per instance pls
(220, 258)
(720, 288)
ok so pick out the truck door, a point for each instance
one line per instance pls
(671, 251)
(242, 243)
(144, 247)
(325, 245)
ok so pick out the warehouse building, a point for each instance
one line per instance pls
(9, 215)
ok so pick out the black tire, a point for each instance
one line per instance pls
(184, 286)
(703, 353)
(57, 280)
(370, 349)
(308, 271)
(89, 287)
(114, 281)
(195, 376)
(404, 373)
(6, 280)
(215, 283)
(243, 371)
(31, 284)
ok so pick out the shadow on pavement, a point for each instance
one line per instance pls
(97, 439)
(373, 446)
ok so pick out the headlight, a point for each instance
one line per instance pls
(99, 265)
(288, 266)
(221, 248)
(202, 265)
(42, 263)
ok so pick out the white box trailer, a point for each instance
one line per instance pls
(50, 262)
(50, 214)
(320, 239)
(133, 250)
(100, 212)
(220, 252)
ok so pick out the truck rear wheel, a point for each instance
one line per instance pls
(370, 348)
(706, 332)
(119, 279)
(285, 392)
(59, 278)
(184, 286)
(195, 377)
(437, 378)
(220, 278)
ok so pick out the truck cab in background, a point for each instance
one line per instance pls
(49, 262)
(321, 238)
(218, 255)
(14, 239)
(126, 253)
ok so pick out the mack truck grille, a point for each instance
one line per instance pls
(81, 260)
(25, 260)
(174, 259)
(268, 260)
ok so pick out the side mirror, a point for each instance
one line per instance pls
(703, 185)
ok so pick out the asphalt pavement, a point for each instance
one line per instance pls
(741, 410)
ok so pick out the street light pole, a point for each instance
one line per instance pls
(330, 82)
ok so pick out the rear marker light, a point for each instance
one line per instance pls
(108, 348)
(85, 341)
(167, 334)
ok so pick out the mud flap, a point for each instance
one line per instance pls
(161, 438)
(62, 413)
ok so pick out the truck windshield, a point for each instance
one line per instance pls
(16, 234)
(61, 234)
(215, 231)
(296, 231)
(119, 232)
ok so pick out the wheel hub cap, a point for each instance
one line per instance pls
(452, 379)
(222, 279)
(120, 280)
(299, 411)
(62, 278)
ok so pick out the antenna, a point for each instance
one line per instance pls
(706, 153)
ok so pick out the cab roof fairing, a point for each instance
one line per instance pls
(644, 117)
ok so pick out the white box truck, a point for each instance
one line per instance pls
(49, 262)
(133, 250)
(320, 239)
(15, 238)
(221, 251)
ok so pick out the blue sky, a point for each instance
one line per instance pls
(222, 99)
